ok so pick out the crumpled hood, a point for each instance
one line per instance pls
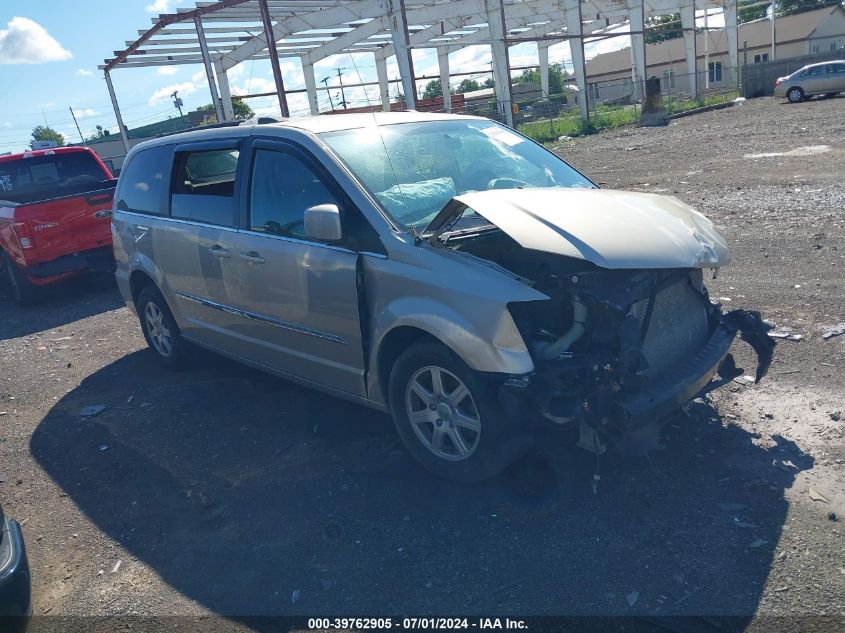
(608, 228)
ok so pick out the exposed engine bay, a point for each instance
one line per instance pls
(617, 351)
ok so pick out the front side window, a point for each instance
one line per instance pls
(144, 180)
(282, 187)
(414, 169)
(204, 186)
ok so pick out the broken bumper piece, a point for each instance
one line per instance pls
(631, 421)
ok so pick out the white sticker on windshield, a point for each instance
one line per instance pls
(6, 182)
(502, 135)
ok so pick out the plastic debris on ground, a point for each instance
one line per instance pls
(91, 410)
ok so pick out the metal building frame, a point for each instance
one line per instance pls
(221, 34)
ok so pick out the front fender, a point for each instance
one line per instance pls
(492, 345)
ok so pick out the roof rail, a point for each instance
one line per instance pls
(256, 120)
(260, 120)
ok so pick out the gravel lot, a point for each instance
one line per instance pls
(220, 490)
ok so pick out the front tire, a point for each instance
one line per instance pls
(795, 95)
(448, 416)
(24, 292)
(160, 329)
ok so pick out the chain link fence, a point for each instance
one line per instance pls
(611, 103)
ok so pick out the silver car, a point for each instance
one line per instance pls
(441, 268)
(826, 78)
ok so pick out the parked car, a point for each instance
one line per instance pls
(826, 78)
(55, 214)
(443, 268)
(15, 597)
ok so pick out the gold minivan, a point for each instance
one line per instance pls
(826, 78)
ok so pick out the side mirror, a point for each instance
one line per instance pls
(322, 222)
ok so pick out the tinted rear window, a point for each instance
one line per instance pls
(144, 182)
(48, 176)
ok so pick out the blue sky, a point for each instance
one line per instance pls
(50, 49)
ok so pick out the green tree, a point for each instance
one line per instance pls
(661, 28)
(488, 83)
(557, 78)
(97, 135)
(241, 109)
(467, 85)
(791, 7)
(46, 133)
(432, 89)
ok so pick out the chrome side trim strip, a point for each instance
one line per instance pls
(262, 318)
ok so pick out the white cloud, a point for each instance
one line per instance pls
(84, 113)
(167, 70)
(27, 42)
(255, 85)
(159, 6)
(163, 94)
(84, 72)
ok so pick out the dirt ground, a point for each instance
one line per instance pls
(223, 491)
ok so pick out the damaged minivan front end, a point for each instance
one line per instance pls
(627, 333)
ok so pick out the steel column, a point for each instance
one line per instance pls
(311, 87)
(274, 58)
(501, 60)
(690, 41)
(636, 16)
(383, 85)
(443, 64)
(225, 92)
(209, 73)
(574, 26)
(729, 8)
(543, 57)
(117, 116)
(402, 48)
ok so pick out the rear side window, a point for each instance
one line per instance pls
(144, 181)
(49, 175)
(204, 186)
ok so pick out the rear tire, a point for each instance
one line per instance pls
(459, 431)
(795, 95)
(160, 330)
(24, 292)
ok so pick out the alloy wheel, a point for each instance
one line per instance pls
(442, 413)
(157, 330)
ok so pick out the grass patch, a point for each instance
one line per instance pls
(604, 117)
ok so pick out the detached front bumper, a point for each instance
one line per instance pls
(678, 387)
(15, 591)
(631, 419)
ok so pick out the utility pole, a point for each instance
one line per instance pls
(81, 138)
(325, 82)
(177, 102)
(342, 94)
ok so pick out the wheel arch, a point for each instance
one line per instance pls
(476, 346)
(138, 280)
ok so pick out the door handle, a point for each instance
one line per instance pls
(219, 251)
(252, 257)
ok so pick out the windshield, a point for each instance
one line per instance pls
(414, 169)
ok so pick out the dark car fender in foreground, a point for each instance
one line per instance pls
(15, 592)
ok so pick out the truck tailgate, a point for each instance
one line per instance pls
(69, 224)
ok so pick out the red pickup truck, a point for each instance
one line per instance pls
(55, 217)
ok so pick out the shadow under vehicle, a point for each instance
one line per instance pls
(241, 490)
